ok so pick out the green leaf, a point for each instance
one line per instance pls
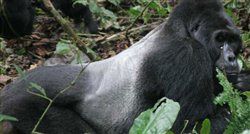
(239, 107)
(170, 132)
(38, 88)
(135, 11)
(247, 94)
(157, 120)
(140, 123)
(246, 131)
(115, 2)
(83, 2)
(63, 47)
(108, 13)
(153, 5)
(94, 7)
(7, 118)
(206, 127)
(21, 51)
(19, 71)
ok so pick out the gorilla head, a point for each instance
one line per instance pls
(207, 23)
(176, 60)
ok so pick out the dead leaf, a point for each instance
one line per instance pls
(4, 79)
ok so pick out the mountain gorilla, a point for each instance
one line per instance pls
(176, 60)
(76, 12)
(16, 18)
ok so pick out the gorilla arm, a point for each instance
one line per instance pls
(27, 108)
(240, 81)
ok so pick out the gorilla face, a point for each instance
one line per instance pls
(216, 31)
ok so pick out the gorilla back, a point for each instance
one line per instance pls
(16, 18)
(176, 60)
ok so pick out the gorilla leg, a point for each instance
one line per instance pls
(89, 21)
(78, 12)
(58, 120)
(67, 121)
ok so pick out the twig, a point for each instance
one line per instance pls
(123, 33)
(68, 29)
(36, 56)
(140, 15)
(54, 98)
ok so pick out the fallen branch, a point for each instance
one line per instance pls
(133, 31)
(79, 43)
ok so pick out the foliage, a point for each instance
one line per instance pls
(206, 127)
(109, 18)
(67, 49)
(239, 107)
(157, 120)
(7, 118)
(63, 47)
(19, 71)
(38, 88)
(155, 8)
(246, 38)
(106, 16)
(233, 6)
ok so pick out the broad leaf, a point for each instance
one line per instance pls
(38, 88)
(157, 120)
(63, 47)
(206, 127)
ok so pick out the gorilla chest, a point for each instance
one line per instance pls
(112, 113)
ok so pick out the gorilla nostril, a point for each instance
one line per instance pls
(231, 58)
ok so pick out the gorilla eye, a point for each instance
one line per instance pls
(195, 28)
(220, 37)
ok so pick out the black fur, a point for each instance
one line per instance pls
(241, 81)
(16, 18)
(176, 60)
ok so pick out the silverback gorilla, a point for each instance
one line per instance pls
(16, 18)
(176, 60)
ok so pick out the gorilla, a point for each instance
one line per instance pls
(176, 60)
(77, 12)
(16, 18)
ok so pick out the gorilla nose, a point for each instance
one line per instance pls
(230, 57)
